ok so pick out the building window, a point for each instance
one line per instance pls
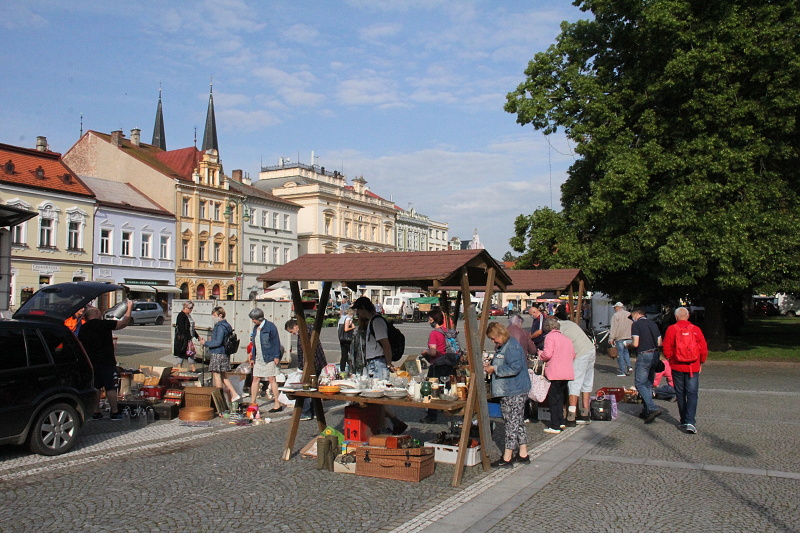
(202, 250)
(216, 211)
(286, 222)
(164, 248)
(327, 225)
(287, 252)
(105, 241)
(372, 234)
(253, 253)
(347, 230)
(126, 243)
(264, 253)
(264, 218)
(231, 253)
(202, 209)
(46, 233)
(217, 252)
(275, 220)
(147, 249)
(185, 208)
(18, 234)
(274, 255)
(360, 232)
(185, 249)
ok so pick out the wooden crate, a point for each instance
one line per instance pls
(411, 464)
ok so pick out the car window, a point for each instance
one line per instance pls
(62, 349)
(13, 354)
(37, 353)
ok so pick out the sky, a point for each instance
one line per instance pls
(408, 94)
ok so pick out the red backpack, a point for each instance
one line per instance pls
(687, 347)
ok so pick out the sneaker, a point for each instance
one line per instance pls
(630, 369)
(116, 416)
(97, 416)
(622, 375)
(523, 460)
(306, 417)
(571, 423)
(276, 409)
(562, 427)
(689, 428)
(399, 428)
(652, 415)
(682, 427)
(502, 463)
(642, 415)
(551, 431)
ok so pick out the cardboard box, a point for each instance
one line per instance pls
(153, 375)
(310, 449)
(408, 464)
(447, 454)
(349, 446)
(389, 441)
(345, 464)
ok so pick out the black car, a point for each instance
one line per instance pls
(46, 380)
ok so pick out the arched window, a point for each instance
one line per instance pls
(231, 292)
(215, 292)
(184, 291)
(201, 292)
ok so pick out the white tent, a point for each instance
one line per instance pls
(276, 294)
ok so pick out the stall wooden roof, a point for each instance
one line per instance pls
(556, 280)
(428, 270)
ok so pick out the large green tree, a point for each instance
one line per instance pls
(684, 114)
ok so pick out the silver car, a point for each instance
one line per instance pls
(142, 313)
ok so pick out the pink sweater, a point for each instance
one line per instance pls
(558, 353)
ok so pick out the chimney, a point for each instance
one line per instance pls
(236, 175)
(116, 138)
(41, 143)
(246, 179)
(135, 136)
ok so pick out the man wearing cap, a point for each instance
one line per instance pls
(620, 335)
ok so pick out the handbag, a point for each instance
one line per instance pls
(600, 408)
(540, 385)
(612, 352)
(345, 336)
(190, 351)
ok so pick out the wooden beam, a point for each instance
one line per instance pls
(302, 337)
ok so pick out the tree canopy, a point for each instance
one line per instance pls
(684, 114)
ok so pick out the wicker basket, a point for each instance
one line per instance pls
(198, 396)
(395, 464)
(196, 413)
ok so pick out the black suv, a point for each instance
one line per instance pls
(46, 380)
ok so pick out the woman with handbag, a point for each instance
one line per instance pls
(558, 352)
(511, 383)
(183, 348)
(346, 330)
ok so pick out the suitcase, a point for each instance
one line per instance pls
(166, 410)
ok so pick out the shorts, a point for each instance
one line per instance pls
(105, 377)
(265, 370)
(377, 368)
(583, 366)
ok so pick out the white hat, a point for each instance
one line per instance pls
(619, 304)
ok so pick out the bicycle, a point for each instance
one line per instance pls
(599, 337)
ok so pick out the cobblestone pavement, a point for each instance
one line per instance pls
(740, 473)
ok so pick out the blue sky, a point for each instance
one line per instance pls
(408, 94)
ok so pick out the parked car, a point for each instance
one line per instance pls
(496, 310)
(46, 379)
(142, 313)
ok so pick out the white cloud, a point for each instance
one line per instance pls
(379, 32)
(302, 33)
(369, 90)
(15, 16)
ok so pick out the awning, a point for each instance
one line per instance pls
(12, 216)
(139, 288)
(167, 288)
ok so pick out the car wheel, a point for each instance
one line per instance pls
(159, 320)
(55, 431)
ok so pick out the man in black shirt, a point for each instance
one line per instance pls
(646, 339)
(97, 340)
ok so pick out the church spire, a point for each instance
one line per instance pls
(210, 135)
(159, 139)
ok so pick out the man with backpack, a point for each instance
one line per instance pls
(441, 360)
(686, 349)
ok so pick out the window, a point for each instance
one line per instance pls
(217, 252)
(231, 253)
(216, 211)
(264, 253)
(164, 248)
(346, 229)
(327, 225)
(185, 208)
(18, 234)
(202, 250)
(202, 209)
(287, 252)
(275, 255)
(264, 218)
(185, 249)
(126, 243)
(253, 253)
(105, 241)
(372, 234)
(286, 222)
(46, 233)
(147, 246)
(275, 220)
(360, 232)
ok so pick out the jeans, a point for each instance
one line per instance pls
(644, 374)
(665, 391)
(686, 388)
(623, 355)
(377, 368)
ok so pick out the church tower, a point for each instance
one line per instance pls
(210, 134)
(159, 139)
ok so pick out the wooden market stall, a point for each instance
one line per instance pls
(431, 271)
(569, 281)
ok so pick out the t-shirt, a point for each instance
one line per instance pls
(374, 348)
(648, 334)
(437, 337)
(580, 342)
(97, 340)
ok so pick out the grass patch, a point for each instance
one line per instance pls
(764, 339)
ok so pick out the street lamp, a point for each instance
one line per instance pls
(228, 214)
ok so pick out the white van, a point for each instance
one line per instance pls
(400, 305)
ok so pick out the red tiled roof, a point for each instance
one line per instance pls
(249, 190)
(182, 161)
(543, 280)
(158, 159)
(55, 174)
(423, 269)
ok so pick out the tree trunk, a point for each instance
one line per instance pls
(714, 324)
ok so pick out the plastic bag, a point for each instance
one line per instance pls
(244, 368)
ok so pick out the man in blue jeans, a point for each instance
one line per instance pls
(646, 339)
(620, 336)
(686, 349)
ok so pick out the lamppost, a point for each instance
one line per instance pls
(229, 212)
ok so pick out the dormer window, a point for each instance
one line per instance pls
(9, 167)
(39, 173)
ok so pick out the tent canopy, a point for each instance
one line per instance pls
(433, 300)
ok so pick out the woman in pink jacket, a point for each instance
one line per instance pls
(558, 352)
